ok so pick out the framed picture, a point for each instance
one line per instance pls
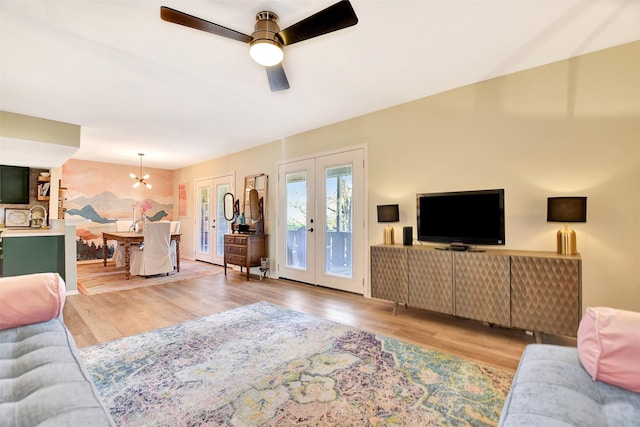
(16, 217)
(183, 191)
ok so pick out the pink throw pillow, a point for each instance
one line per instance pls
(609, 346)
(32, 298)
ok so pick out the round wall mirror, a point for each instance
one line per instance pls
(229, 211)
(254, 202)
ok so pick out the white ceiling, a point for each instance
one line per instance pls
(135, 83)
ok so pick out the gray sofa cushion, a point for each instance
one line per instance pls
(551, 388)
(43, 380)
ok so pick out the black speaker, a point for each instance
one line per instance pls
(407, 236)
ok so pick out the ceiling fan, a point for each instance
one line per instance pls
(267, 39)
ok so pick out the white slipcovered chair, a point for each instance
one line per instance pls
(153, 256)
(175, 228)
(118, 252)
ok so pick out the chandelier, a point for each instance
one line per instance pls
(140, 179)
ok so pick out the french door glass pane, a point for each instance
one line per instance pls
(222, 225)
(296, 219)
(204, 220)
(338, 220)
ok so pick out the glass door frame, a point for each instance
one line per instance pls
(222, 226)
(215, 212)
(359, 281)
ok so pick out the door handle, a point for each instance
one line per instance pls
(311, 230)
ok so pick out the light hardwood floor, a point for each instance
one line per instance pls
(99, 318)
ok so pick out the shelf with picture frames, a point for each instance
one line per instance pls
(44, 186)
(61, 198)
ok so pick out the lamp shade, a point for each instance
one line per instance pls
(388, 213)
(567, 209)
(266, 52)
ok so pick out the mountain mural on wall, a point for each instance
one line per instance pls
(87, 212)
(116, 207)
(98, 194)
(101, 212)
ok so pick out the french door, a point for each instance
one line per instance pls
(321, 220)
(210, 223)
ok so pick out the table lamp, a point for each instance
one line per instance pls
(388, 213)
(566, 209)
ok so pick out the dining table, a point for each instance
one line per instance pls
(127, 238)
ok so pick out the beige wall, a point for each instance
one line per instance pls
(568, 128)
(30, 128)
(35, 142)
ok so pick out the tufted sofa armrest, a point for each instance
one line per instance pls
(551, 388)
(44, 382)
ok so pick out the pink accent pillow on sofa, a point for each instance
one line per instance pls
(609, 346)
(32, 298)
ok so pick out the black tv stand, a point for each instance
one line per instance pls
(454, 247)
(459, 247)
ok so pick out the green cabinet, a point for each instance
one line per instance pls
(14, 185)
(33, 254)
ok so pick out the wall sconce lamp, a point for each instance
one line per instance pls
(388, 213)
(566, 209)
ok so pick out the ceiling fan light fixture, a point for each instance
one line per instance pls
(266, 43)
(265, 46)
(266, 52)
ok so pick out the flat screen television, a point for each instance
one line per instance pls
(462, 218)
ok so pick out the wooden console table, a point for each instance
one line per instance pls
(244, 250)
(530, 290)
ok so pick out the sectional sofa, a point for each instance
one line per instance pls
(43, 380)
(596, 384)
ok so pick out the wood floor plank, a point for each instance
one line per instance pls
(99, 318)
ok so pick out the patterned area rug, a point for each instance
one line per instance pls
(266, 365)
(94, 278)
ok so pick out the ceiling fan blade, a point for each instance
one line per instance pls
(340, 15)
(277, 78)
(171, 15)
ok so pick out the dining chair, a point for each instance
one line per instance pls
(118, 251)
(175, 228)
(153, 256)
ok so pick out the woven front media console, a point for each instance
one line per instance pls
(530, 290)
